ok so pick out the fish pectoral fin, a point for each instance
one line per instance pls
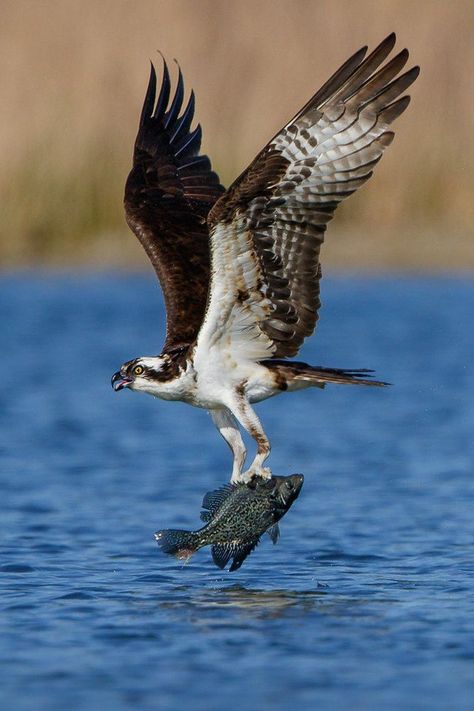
(274, 533)
(240, 555)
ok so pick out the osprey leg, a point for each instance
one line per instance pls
(247, 417)
(228, 427)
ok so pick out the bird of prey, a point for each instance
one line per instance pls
(240, 268)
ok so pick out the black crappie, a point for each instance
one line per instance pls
(236, 515)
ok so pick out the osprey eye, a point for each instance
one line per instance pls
(138, 370)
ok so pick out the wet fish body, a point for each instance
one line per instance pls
(236, 516)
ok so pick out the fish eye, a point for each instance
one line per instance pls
(138, 370)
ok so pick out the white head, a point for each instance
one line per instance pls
(150, 374)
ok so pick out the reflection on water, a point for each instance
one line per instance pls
(251, 602)
(235, 604)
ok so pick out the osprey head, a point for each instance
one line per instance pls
(143, 374)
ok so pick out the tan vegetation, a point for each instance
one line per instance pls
(73, 75)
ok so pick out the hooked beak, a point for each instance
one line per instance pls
(120, 381)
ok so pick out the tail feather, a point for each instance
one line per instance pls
(182, 544)
(289, 372)
(359, 376)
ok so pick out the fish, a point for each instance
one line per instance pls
(236, 516)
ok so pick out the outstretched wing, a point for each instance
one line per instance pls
(267, 230)
(168, 195)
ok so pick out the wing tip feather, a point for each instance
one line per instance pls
(149, 101)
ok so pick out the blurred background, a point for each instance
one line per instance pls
(73, 77)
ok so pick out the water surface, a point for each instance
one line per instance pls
(366, 602)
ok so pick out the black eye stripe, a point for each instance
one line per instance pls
(168, 371)
(168, 367)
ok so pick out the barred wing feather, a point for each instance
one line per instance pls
(267, 229)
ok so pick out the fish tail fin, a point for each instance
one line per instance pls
(181, 544)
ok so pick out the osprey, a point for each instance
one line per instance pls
(239, 268)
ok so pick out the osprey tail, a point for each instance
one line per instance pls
(293, 376)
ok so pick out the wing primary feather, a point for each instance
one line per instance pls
(184, 123)
(375, 80)
(333, 83)
(392, 90)
(363, 73)
(164, 96)
(177, 102)
(149, 101)
(193, 140)
(337, 79)
(393, 110)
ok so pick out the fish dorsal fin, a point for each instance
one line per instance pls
(213, 500)
(222, 553)
(274, 533)
(240, 555)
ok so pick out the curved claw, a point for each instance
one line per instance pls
(253, 473)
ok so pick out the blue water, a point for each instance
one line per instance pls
(366, 602)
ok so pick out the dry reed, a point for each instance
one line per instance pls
(73, 76)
